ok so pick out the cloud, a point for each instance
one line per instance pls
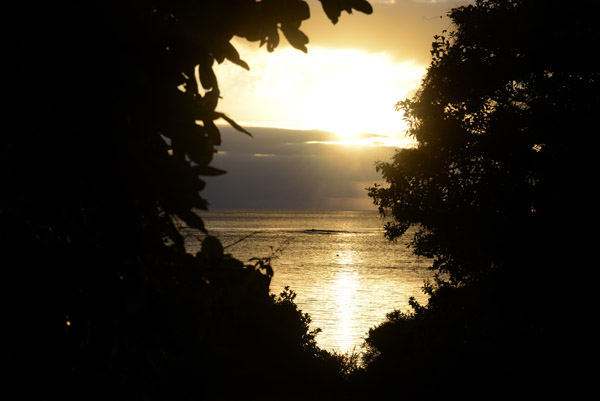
(295, 174)
(302, 169)
(342, 90)
(351, 78)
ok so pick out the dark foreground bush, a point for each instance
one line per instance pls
(177, 327)
(492, 339)
(106, 133)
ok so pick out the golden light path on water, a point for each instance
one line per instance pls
(346, 301)
(351, 93)
(344, 273)
(345, 287)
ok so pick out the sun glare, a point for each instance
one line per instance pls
(346, 92)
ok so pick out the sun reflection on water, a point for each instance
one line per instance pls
(344, 290)
(345, 258)
(345, 287)
(346, 276)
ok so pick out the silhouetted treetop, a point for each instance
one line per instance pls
(142, 72)
(109, 125)
(500, 186)
(502, 121)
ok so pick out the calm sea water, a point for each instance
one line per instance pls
(346, 275)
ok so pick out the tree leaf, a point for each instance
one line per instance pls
(233, 123)
(232, 55)
(192, 219)
(211, 132)
(208, 79)
(211, 98)
(296, 37)
(212, 249)
(333, 8)
(362, 6)
(298, 10)
(272, 39)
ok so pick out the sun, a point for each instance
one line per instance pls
(344, 91)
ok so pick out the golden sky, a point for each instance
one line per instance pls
(321, 119)
(351, 77)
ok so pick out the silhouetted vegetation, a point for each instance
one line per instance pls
(108, 124)
(501, 186)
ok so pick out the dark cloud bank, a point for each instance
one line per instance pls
(288, 169)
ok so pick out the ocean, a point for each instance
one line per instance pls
(346, 275)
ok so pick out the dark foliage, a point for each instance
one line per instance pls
(488, 340)
(504, 120)
(108, 125)
(501, 185)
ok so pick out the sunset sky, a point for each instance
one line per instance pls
(330, 112)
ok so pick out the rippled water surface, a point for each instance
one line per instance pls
(346, 275)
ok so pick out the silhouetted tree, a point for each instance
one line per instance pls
(109, 122)
(500, 187)
(501, 120)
